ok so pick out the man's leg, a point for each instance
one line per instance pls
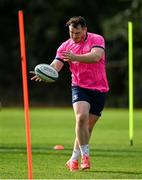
(91, 123)
(81, 110)
(84, 126)
(84, 123)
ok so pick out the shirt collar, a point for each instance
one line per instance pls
(86, 36)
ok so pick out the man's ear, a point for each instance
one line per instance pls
(85, 30)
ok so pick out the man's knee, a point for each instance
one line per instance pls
(82, 118)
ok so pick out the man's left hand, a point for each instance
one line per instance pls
(68, 56)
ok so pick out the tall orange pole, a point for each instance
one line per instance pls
(25, 91)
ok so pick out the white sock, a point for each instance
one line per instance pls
(75, 154)
(84, 150)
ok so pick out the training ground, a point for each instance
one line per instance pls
(112, 157)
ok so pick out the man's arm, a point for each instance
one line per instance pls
(56, 64)
(94, 56)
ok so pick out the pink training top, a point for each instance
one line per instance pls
(86, 75)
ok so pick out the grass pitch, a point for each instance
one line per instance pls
(111, 155)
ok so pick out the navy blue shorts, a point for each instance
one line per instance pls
(95, 98)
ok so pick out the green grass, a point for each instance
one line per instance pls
(111, 155)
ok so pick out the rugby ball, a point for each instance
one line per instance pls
(46, 72)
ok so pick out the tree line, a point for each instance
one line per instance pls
(45, 30)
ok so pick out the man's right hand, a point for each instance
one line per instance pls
(35, 77)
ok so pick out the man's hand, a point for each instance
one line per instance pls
(68, 56)
(35, 77)
(94, 56)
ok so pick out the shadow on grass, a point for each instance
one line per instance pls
(115, 172)
(67, 151)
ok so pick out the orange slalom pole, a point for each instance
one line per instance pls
(25, 91)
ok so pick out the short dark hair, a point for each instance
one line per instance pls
(75, 21)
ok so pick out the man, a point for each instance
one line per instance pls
(85, 53)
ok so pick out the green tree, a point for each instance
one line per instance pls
(45, 30)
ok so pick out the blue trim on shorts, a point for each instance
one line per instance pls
(95, 98)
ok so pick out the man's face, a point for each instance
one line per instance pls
(77, 34)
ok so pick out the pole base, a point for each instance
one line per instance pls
(131, 142)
